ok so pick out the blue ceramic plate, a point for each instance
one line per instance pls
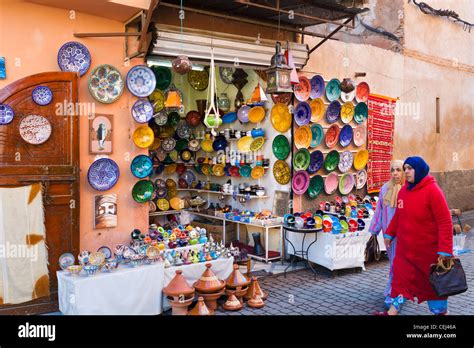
(189, 176)
(6, 114)
(316, 161)
(106, 251)
(103, 174)
(318, 135)
(219, 143)
(42, 95)
(302, 113)
(74, 57)
(317, 86)
(345, 136)
(229, 117)
(66, 260)
(142, 111)
(361, 112)
(141, 81)
(142, 166)
(333, 90)
(333, 111)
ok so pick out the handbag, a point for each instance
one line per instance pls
(372, 250)
(448, 280)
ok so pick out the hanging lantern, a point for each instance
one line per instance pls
(182, 65)
(173, 100)
(278, 75)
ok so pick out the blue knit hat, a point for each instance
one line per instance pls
(422, 169)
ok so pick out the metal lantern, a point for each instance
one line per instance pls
(173, 99)
(278, 75)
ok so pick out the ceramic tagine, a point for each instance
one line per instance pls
(256, 302)
(210, 287)
(232, 303)
(180, 294)
(254, 288)
(201, 308)
(237, 284)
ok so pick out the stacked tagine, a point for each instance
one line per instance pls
(179, 293)
(210, 287)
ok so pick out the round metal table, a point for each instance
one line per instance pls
(303, 253)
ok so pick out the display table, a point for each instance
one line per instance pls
(304, 251)
(126, 291)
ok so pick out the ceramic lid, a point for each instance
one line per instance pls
(178, 286)
(232, 303)
(254, 288)
(201, 308)
(209, 282)
(236, 279)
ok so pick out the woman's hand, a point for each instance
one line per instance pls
(387, 242)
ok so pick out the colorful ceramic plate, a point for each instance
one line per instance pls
(345, 161)
(141, 81)
(142, 111)
(332, 160)
(142, 166)
(257, 144)
(206, 145)
(243, 113)
(331, 183)
(170, 184)
(66, 260)
(302, 113)
(163, 77)
(280, 117)
(302, 90)
(347, 112)
(218, 170)
(361, 112)
(186, 155)
(226, 74)
(333, 90)
(317, 135)
(360, 160)
(6, 114)
(176, 203)
(300, 182)
(106, 84)
(106, 251)
(317, 86)
(345, 136)
(316, 186)
(360, 135)
(332, 136)
(96, 259)
(161, 118)
(181, 144)
(184, 130)
(333, 111)
(301, 159)
(103, 174)
(143, 136)
(189, 176)
(193, 118)
(245, 171)
(161, 192)
(316, 161)
(256, 114)
(198, 79)
(74, 57)
(142, 192)
(257, 172)
(243, 145)
(229, 117)
(303, 137)
(42, 95)
(163, 204)
(362, 92)
(281, 147)
(361, 179)
(317, 109)
(284, 98)
(157, 99)
(168, 144)
(219, 143)
(346, 183)
(35, 129)
(151, 207)
(281, 172)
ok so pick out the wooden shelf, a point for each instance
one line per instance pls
(225, 194)
(166, 212)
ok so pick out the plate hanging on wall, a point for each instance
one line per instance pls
(42, 95)
(35, 129)
(6, 114)
(103, 174)
(74, 57)
(142, 111)
(106, 84)
(141, 81)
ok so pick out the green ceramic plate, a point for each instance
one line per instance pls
(361, 112)
(301, 159)
(173, 119)
(333, 90)
(163, 77)
(331, 161)
(181, 144)
(281, 147)
(316, 186)
(318, 135)
(245, 171)
(142, 191)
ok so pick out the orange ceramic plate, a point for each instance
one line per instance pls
(257, 172)
(317, 109)
(280, 117)
(176, 203)
(256, 114)
(332, 136)
(302, 90)
(347, 112)
(303, 137)
(257, 144)
(362, 92)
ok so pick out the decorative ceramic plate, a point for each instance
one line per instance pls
(281, 147)
(161, 192)
(219, 143)
(361, 112)
(206, 145)
(360, 134)
(170, 183)
(193, 118)
(300, 182)
(163, 204)
(317, 135)
(142, 166)
(74, 57)
(345, 136)
(218, 170)
(281, 172)
(157, 99)
(331, 183)
(96, 259)
(189, 176)
(302, 90)
(103, 174)
(333, 112)
(143, 136)
(66, 260)
(317, 109)
(302, 113)
(257, 144)
(244, 143)
(42, 95)
(280, 117)
(316, 161)
(163, 77)
(106, 84)
(6, 114)
(348, 96)
(332, 160)
(181, 144)
(361, 179)
(317, 86)
(184, 130)
(151, 207)
(345, 161)
(360, 160)
(106, 251)
(245, 171)
(142, 191)
(198, 80)
(229, 117)
(173, 120)
(333, 90)
(168, 144)
(256, 114)
(332, 136)
(176, 203)
(142, 111)
(257, 172)
(226, 74)
(316, 186)
(362, 92)
(141, 81)
(303, 137)
(301, 159)
(161, 118)
(346, 183)
(35, 129)
(347, 112)
(284, 98)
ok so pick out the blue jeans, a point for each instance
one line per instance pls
(435, 306)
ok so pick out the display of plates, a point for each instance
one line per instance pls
(333, 111)
(333, 90)
(303, 137)
(317, 86)
(245, 171)
(141, 81)
(35, 129)
(345, 161)
(281, 147)
(280, 117)
(66, 260)
(316, 186)
(243, 145)
(184, 130)
(106, 84)
(256, 114)
(301, 159)
(316, 161)
(257, 144)
(317, 135)
(332, 136)
(331, 161)
(300, 182)
(229, 117)
(360, 135)
(143, 191)
(361, 179)
(345, 136)
(103, 174)
(347, 112)
(74, 57)
(193, 118)
(281, 172)
(163, 204)
(362, 92)
(361, 112)
(106, 251)
(142, 166)
(360, 160)
(302, 90)
(42, 95)
(226, 74)
(198, 79)
(168, 144)
(163, 77)
(142, 111)
(331, 183)
(143, 136)
(257, 172)
(302, 113)
(6, 114)
(189, 176)
(284, 98)
(346, 183)
(317, 109)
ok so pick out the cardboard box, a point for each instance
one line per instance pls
(214, 228)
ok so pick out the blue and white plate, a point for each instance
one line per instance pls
(345, 136)
(74, 57)
(42, 95)
(103, 174)
(106, 251)
(6, 114)
(66, 260)
(142, 166)
(142, 111)
(141, 81)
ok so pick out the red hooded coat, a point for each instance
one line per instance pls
(423, 226)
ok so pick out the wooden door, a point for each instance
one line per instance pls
(54, 163)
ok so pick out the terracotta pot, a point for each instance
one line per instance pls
(180, 307)
(232, 304)
(211, 299)
(237, 279)
(178, 286)
(201, 308)
(209, 282)
(256, 302)
(254, 288)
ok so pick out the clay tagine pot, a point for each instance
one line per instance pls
(201, 308)
(179, 294)
(256, 302)
(209, 283)
(237, 279)
(232, 304)
(254, 288)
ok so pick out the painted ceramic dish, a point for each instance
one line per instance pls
(346, 183)
(360, 134)
(284, 98)
(347, 112)
(361, 179)
(143, 136)
(333, 90)
(280, 117)
(157, 99)
(244, 143)
(281, 147)
(256, 114)
(173, 119)
(6, 114)
(142, 111)
(245, 171)
(193, 118)
(74, 57)
(142, 191)
(103, 174)
(42, 95)
(142, 166)
(176, 203)
(301, 159)
(331, 183)
(345, 161)
(106, 251)
(345, 136)
(229, 117)
(302, 90)
(189, 176)
(226, 74)
(218, 170)
(303, 137)
(184, 130)
(163, 77)
(198, 79)
(141, 81)
(168, 144)
(257, 172)
(257, 144)
(317, 109)
(316, 186)
(96, 259)
(360, 160)
(181, 144)
(332, 136)
(163, 204)
(281, 172)
(362, 92)
(317, 86)
(66, 260)
(361, 112)
(316, 161)
(300, 182)
(317, 135)
(206, 145)
(302, 114)
(332, 160)
(333, 112)
(106, 84)
(161, 118)
(35, 129)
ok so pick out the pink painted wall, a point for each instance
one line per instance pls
(30, 36)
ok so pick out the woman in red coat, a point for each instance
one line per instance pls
(423, 227)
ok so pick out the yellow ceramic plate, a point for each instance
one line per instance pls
(174, 155)
(170, 169)
(303, 137)
(170, 184)
(280, 117)
(205, 169)
(206, 145)
(317, 109)
(163, 204)
(347, 112)
(218, 170)
(257, 172)
(244, 143)
(257, 144)
(176, 203)
(157, 98)
(143, 136)
(281, 172)
(256, 114)
(97, 258)
(361, 158)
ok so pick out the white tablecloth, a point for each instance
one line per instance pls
(132, 291)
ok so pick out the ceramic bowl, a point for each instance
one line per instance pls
(361, 224)
(90, 269)
(299, 222)
(74, 270)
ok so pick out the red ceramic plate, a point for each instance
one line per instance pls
(332, 136)
(362, 92)
(302, 89)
